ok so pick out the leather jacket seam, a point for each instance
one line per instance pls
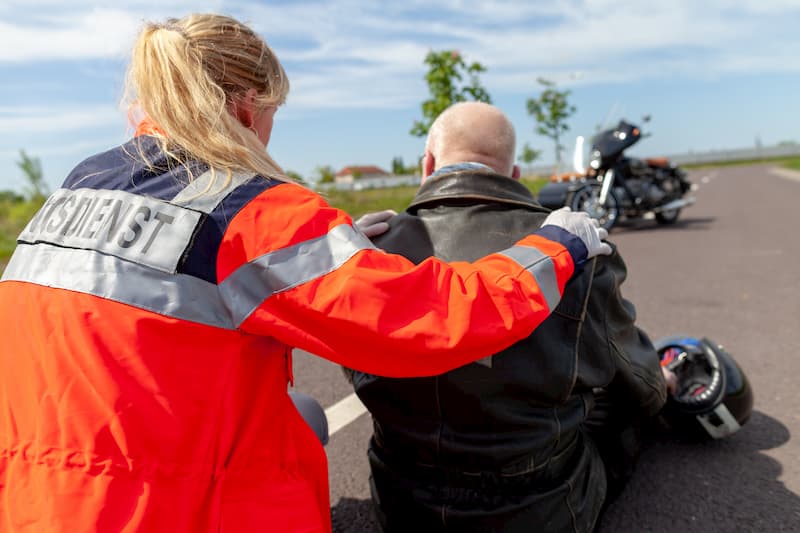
(576, 349)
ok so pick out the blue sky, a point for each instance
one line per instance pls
(713, 74)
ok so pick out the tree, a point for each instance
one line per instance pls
(296, 177)
(551, 111)
(445, 77)
(10, 197)
(37, 188)
(529, 155)
(398, 167)
(325, 174)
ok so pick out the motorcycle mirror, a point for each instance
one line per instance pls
(646, 118)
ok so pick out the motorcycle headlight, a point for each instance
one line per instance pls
(596, 159)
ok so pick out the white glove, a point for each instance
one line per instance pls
(583, 227)
(374, 224)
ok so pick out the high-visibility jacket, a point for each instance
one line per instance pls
(148, 322)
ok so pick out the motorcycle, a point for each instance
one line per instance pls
(614, 185)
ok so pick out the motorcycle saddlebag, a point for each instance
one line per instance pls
(554, 194)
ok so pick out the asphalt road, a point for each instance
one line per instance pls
(728, 270)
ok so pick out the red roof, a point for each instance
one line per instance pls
(367, 169)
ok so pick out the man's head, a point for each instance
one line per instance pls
(471, 132)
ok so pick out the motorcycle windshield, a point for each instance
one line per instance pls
(579, 155)
(610, 143)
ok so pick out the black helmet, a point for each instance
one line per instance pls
(714, 398)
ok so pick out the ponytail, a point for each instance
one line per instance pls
(184, 74)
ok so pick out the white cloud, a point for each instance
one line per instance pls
(355, 45)
(36, 30)
(100, 33)
(47, 151)
(20, 121)
(350, 53)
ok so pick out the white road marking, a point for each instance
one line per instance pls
(708, 178)
(343, 412)
(785, 173)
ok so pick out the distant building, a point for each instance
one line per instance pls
(355, 172)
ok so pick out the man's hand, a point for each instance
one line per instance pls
(374, 224)
(583, 227)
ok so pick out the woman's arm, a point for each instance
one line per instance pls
(294, 268)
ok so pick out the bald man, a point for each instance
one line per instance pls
(507, 443)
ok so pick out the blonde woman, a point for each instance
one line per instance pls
(150, 310)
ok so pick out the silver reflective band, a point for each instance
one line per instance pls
(486, 361)
(140, 229)
(246, 288)
(725, 422)
(543, 269)
(86, 271)
(205, 195)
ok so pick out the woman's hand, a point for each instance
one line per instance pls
(374, 224)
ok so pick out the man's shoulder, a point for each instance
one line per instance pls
(406, 235)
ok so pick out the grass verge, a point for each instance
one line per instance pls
(356, 203)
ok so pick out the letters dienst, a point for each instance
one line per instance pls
(136, 228)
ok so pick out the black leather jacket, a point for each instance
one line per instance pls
(518, 412)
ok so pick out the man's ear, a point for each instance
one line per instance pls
(428, 164)
(515, 173)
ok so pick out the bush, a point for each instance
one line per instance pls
(14, 216)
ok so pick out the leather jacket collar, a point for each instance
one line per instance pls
(475, 183)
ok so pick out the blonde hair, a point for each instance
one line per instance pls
(185, 73)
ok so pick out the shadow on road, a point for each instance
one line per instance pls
(682, 224)
(354, 516)
(709, 487)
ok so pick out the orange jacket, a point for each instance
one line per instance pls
(148, 333)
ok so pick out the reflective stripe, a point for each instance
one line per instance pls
(193, 194)
(722, 426)
(86, 271)
(543, 269)
(247, 287)
(486, 361)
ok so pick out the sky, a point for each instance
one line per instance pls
(712, 74)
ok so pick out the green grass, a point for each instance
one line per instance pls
(534, 183)
(781, 161)
(356, 203)
(793, 163)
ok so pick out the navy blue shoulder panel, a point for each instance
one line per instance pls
(200, 259)
(138, 166)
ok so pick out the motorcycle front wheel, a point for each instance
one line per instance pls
(587, 198)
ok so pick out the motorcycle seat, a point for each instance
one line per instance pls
(659, 162)
(567, 176)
